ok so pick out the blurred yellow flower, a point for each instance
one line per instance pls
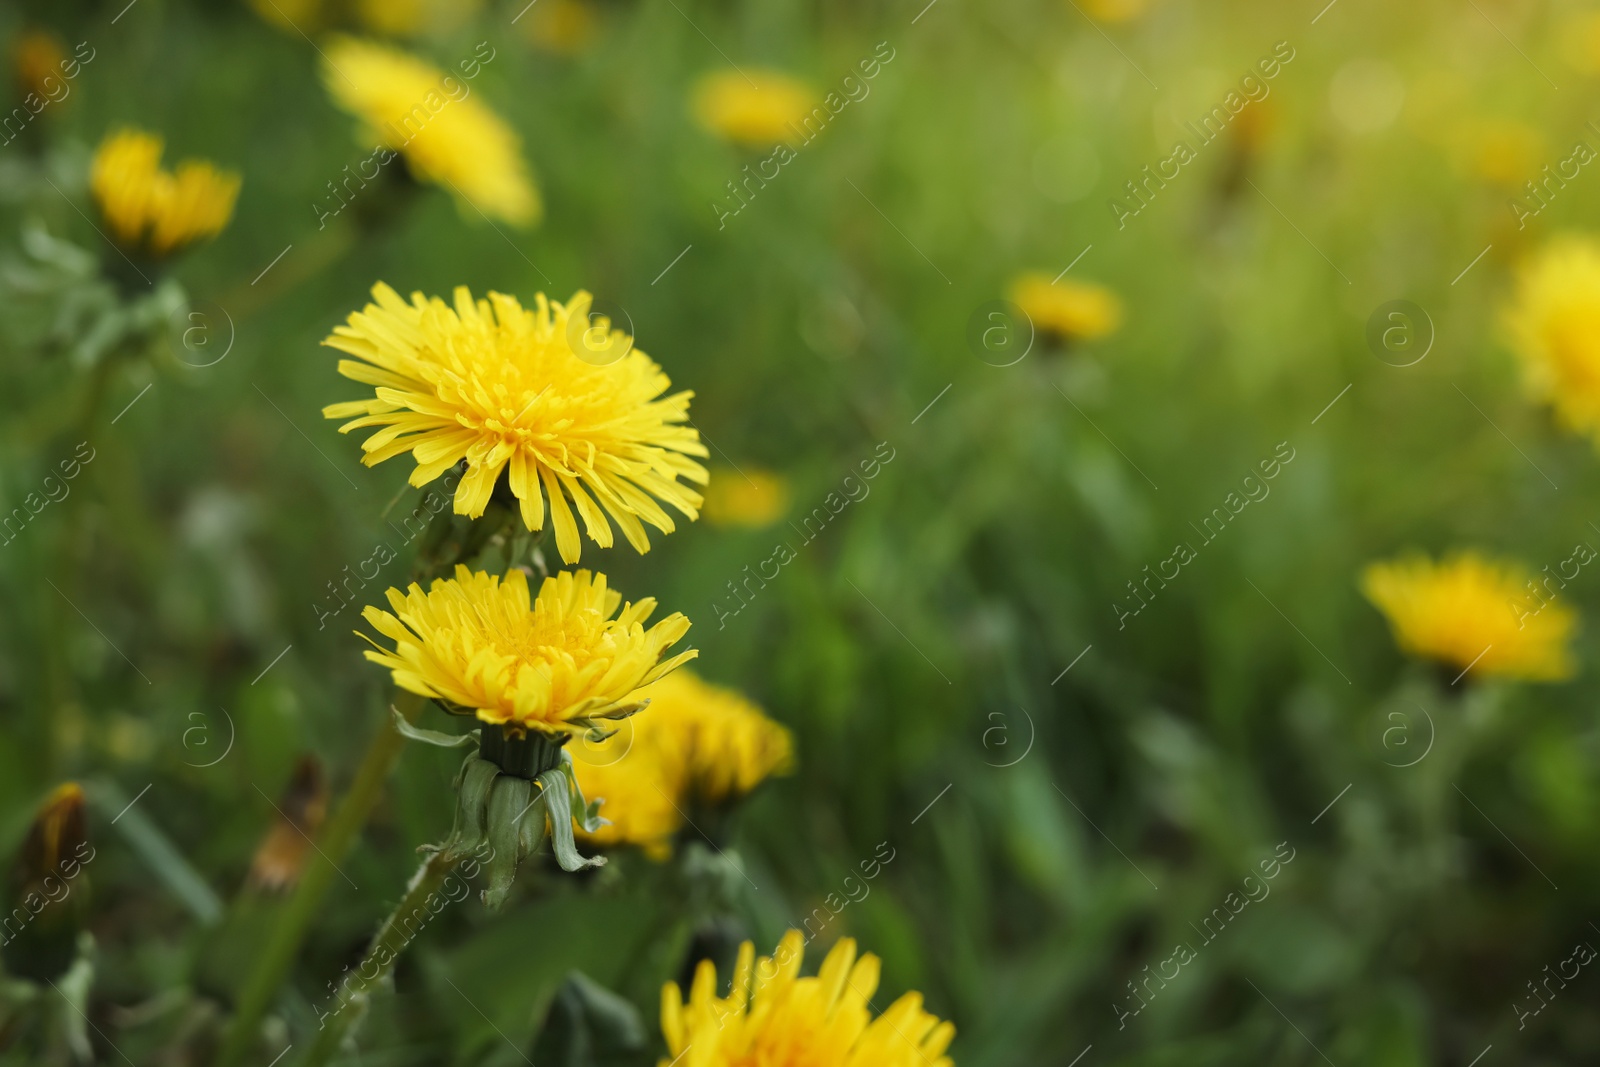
(749, 497)
(447, 137)
(37, 55)
(755, 108)
(1503, 151)
(1066, 310)
(1553, 324)
(638, 791)
(723, 744)
(694, 743)
(1114, 10)
(1472, 612)
(564, 27)
(772, 1016)
(505, 389)
(555, 663)
(152, 210)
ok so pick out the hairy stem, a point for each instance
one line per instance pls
(272, 966)
(382, 954)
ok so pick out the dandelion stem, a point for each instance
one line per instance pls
(381, 955)
(304, 906)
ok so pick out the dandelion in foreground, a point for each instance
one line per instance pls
(1473, 613)
(447, 136)
(1066, 310)
(697, 744)
(754, 108)
(557, 663)
(535, 671)
(1553, 323)
(155, 211)
(562, 403)
(773, 1016)
(750, 498)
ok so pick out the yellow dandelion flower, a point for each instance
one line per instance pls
(1553, 324)
(1471, 612)
(773, 1016)
(447, 136)
(1066, 310)
(695, 743)
(152, 210)
(750, 497)
(503, 388)
(554, 663)
(755, 108)
(564, 27)
(639, 793)
(722, 741)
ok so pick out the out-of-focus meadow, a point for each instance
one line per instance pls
(1080, 661)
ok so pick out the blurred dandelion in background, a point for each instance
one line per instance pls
(1476, 614)
(155, 211)
(448, 136)
(753, 107)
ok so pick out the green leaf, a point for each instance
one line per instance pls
(589, 1026)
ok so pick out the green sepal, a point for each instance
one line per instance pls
(508, 805)
(586, 815)
(472, 802)
(431, 737)
(558, 797)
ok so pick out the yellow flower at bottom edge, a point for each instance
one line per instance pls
(555, 663)
(153, 210)
(503, 388)
(749, 497)
(1472, 612)
(1553, 324)
(695, 743)
(447, 135)
(1069, 310)
(755, 108)
(773, 1016)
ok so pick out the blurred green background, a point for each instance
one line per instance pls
(1053, 832)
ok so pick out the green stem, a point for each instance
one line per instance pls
(272, 966)
(390, 941)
